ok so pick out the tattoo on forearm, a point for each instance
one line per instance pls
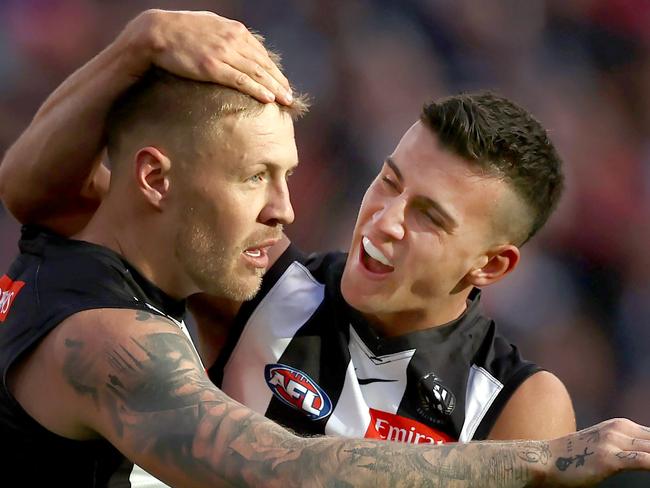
(535, 453)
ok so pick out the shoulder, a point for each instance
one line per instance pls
(64, 379)
(540, 408)
(532, 404)
(99, 325)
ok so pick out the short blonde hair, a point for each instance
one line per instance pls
(179, 108)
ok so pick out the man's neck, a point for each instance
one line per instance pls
(140, 245)
(438, 313)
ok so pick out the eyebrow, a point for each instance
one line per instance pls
(449, 222)
(391, 164)
(275, 164)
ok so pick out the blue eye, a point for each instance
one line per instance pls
(257, 178)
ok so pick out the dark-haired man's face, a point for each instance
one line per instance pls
(236, 201)
(425, 222)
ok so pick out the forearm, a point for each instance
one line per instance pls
(266, 455)
(68, 128)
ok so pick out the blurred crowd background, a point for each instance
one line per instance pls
(580, 302)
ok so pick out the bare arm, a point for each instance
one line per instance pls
(540, 408)
(142, 387)
(52, 174)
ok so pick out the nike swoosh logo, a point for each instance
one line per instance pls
(367, 381)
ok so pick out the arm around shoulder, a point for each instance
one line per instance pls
(135, 379)
(540, 408)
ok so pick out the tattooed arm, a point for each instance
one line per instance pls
(53, 174)
(139, 384)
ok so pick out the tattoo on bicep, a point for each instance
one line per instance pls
(143, 316)
(563, 463)
(161, 372)
(77, 369)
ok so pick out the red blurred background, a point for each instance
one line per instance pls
(580, 302)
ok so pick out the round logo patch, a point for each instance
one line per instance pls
(297, 390)
(434, 396)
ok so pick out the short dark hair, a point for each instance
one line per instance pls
(179, 109)
(505, 141)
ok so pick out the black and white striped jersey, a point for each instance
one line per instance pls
(52, 279)
(300, 355)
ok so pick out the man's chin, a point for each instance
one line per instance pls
(242, 290)
(232, 286)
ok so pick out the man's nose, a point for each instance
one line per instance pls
(278, 208)
(389, 220)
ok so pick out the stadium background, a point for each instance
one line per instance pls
(580, 302)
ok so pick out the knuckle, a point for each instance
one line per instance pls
(207, 63)
(609, 435)
(240, 79)
(258, 72)
(238, 27)
(220, 51)
(152, 14)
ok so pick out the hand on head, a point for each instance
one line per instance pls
(204, 46)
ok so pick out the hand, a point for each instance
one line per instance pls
(593, 454)
(206, 47)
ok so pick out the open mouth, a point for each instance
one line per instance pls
(257, 256)
(373, 259)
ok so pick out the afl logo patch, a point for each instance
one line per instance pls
(294, 388)
(434, 396)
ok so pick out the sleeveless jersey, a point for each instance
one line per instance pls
(53, 278)
(300, 355)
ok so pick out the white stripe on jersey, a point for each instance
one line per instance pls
(139, 478)
(351, 415)
(482, 389)
(288, 305)
(381, 395)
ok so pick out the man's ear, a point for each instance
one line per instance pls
(152, 175)
(499, 262)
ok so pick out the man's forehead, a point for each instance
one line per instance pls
(238, 141)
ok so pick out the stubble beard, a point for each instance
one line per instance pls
(215, 268)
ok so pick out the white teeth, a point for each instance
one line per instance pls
(254, 254)
(374, 253)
